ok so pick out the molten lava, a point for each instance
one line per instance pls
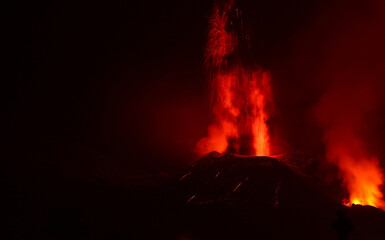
(240, 91)
(359, 170)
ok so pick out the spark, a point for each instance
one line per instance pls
(191, 198)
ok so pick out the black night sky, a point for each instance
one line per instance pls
(119, 88)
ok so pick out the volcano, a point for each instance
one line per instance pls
(279, 104)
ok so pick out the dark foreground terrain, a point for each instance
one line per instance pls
(219, 197)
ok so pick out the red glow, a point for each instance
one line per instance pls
(242, 100)
(240, 94)
(360, 171)
(342, 114)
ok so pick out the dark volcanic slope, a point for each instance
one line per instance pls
(236, 197)
(220, 197)
(232, 179)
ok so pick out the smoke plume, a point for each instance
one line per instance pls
(352, 70)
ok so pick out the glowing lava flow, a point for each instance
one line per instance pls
(240, 93)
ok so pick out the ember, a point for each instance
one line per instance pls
(191, 198)
(239, 184)
(184, 176)
(235, 189)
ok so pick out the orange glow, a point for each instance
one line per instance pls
(260, 129)
(240, 94)
(342, 112)
(360, 173)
